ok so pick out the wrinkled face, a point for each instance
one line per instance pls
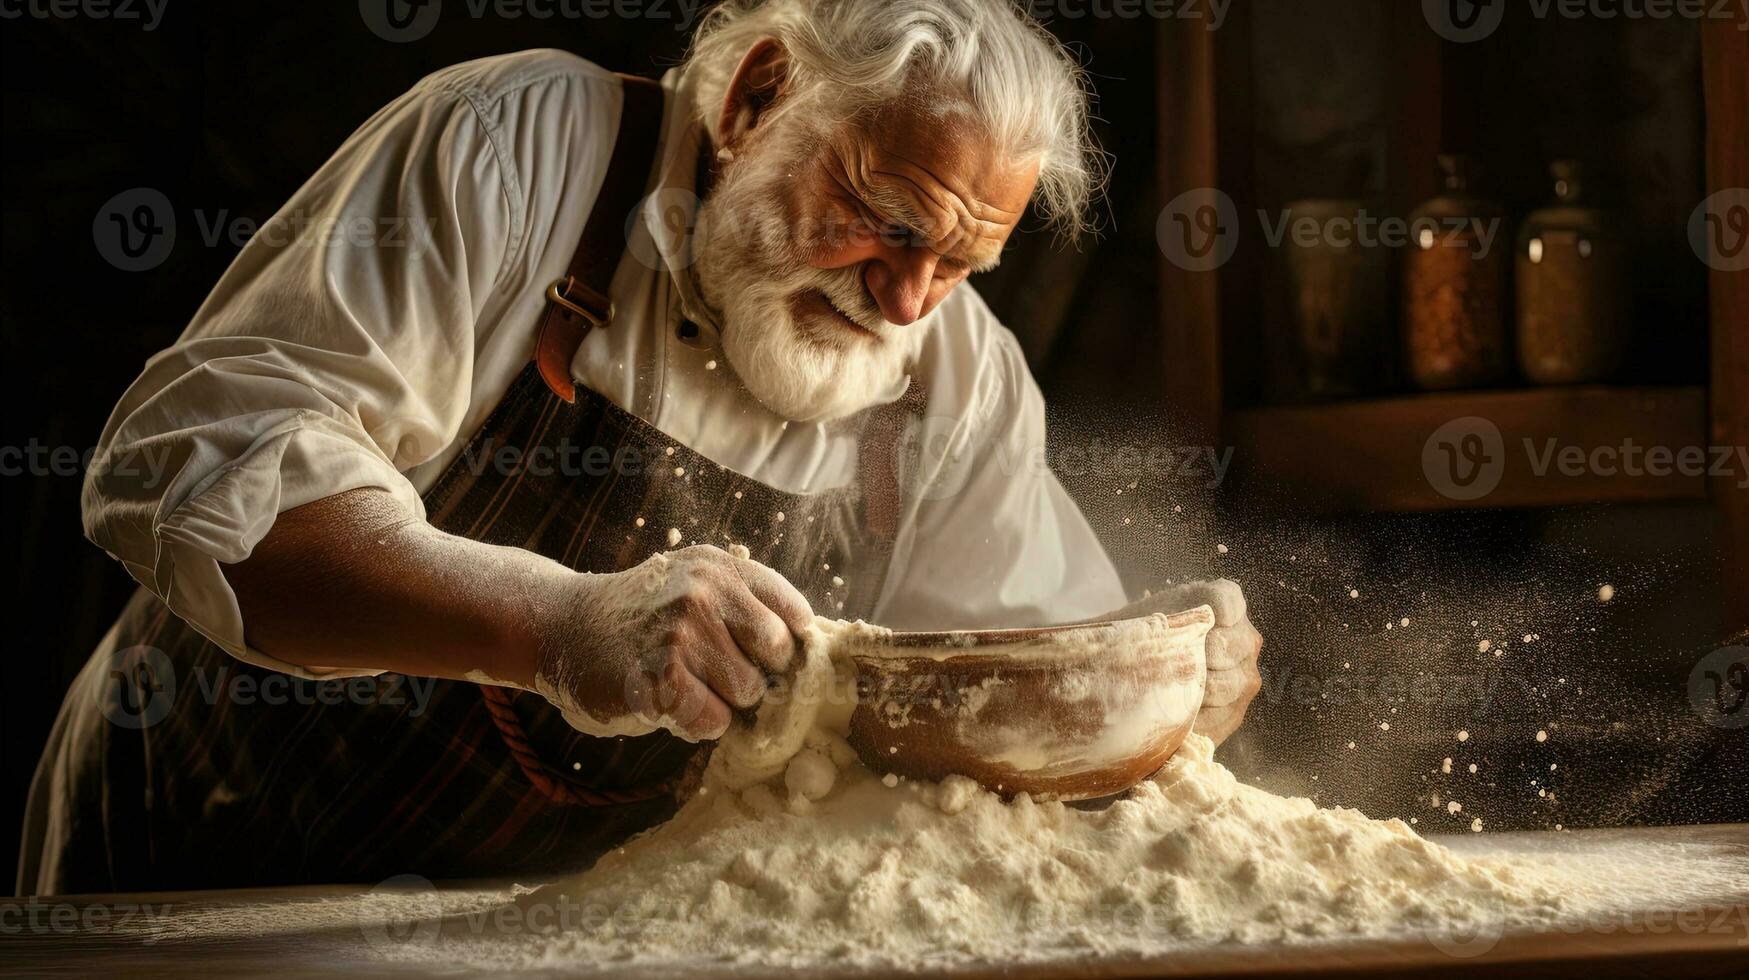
(824, 255)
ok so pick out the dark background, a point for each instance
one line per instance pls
(227, 107)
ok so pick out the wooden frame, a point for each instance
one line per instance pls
(1190, 310)
(1725, 59)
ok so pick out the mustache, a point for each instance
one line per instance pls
(843, 288)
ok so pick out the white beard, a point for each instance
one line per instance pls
(805, 370)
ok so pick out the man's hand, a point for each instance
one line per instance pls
(1232, 649)
(683, 641)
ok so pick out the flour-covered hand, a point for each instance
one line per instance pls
(681, 642)
(1232, 649)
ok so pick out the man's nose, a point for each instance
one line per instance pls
(900, 281)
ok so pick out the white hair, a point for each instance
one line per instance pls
(990, 57)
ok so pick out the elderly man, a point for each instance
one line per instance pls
(751, 359)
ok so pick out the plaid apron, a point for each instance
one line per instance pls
(190, 769)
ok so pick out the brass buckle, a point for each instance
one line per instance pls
(558, 293)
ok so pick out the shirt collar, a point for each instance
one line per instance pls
(670, 213)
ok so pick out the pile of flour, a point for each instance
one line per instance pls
(794, 855)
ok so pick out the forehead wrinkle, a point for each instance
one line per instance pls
(981, 240)
(889, 195)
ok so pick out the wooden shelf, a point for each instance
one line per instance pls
(1369, 455)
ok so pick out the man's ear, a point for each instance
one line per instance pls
(756, 88)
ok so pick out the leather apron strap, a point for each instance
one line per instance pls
(579, 302)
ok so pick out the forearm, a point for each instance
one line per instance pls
(354, 581)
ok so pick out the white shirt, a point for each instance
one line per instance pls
(365, 333)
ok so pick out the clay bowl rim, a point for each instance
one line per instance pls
(895, 649)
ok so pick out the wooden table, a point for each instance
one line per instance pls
(318, 930)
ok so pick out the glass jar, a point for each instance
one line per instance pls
(1572, 296)
(1454, 286)
(1339, 279)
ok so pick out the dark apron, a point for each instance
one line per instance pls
(358, 780)
(175, 766)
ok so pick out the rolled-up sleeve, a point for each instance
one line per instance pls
(335, 353)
